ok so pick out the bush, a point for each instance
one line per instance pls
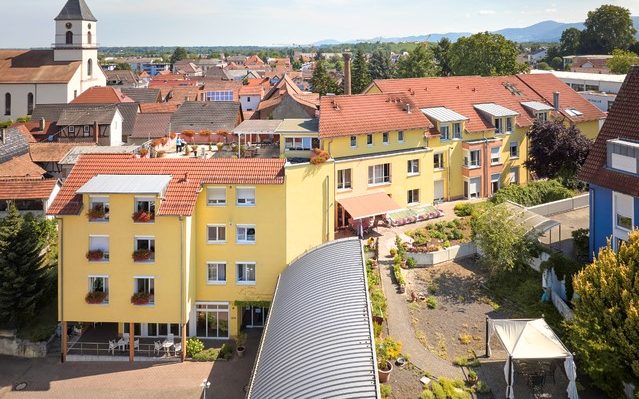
(565, 268)
(431, 302)
(535, 193)
(206, 355)
(582, 242)
(463, 209)
(427, 394)
(411, 263)
(385, 390)
(226, 352)
(193, 347)
(461, 361)
(438, 390)
(482, 387)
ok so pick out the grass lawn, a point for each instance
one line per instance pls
(43, 324)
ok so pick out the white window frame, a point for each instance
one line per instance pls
(105, 285)
(215, 200)
(438, 165)
(217, 233)
(106, 252)
(237, 273)
(375, 179)
(542, 116)
(71, 129)
(468, 160)
(514, 173)
(400, 136)
(152, 243)
(151, 206)
(216, 281)
(413, 167)
(151, 287)
(342, 182)
(468, 180)
(410, 196)
(247, 202)
(243, 238)
(457, 131)
(616, 196)
(495, 160)
(86, 130)
(509, 125)
(104, 201)
(495, 177)
(353, 140)
(444, 131)
(369, 140)
(385, 138)
(298, 144)
(514, 145)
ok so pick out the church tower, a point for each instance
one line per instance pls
(76, 40)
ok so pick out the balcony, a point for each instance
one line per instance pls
(143, 217)
(143, 255)
(97, 255)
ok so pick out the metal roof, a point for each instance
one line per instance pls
(318, 341)
(585, 76)
(443, 114)
(125, 184)
(536, 106)
(529, 219)
(75, 10)
(495, 110)
(299, 126)
(258, 126)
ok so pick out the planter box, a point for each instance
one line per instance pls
(445, 255)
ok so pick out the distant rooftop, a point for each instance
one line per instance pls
(299, 126)
(495, 110)
(602, 77)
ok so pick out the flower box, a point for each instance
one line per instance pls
(95, 255)
(143, 217)
(97, 214)
(141, 298)
(96, 297)
(142, 255)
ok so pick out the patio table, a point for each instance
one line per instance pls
(167, 346)
(122, 344)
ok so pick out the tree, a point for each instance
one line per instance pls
(607, 28)
(379, 66)
(418, 64)
(557, 63)
(504, 244)
(544, 66)
(570, 42)
(442, 58)
(178, 55)
(605, 329)
(322, 82)
(622, 61)
(485, 54)
(122, 66)
(22, 275)
(556, 151)
(360, 76)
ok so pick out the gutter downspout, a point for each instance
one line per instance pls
(61, 279)
(182, 302)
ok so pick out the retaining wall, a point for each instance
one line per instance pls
(445, 255)
(14, 346)
(564, 205)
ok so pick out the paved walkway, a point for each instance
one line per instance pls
(399, 318)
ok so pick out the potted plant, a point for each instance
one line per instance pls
(161, 154)
(194, 147)
(141, 298)
(472, 377)
(241, 341)
(96, 213)
(387, 351)
(95, 297)
(142, 255)
(142, 216)
(143, 152)
(95, 255)
(220, 146)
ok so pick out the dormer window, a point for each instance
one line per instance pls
(457, 131)
(503, 125)
(623, 155)
(542, 116)
(444, 132)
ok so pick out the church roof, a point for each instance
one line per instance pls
(75, 10)
(34, 66)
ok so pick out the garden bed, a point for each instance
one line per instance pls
(441, 235)
(413, 215)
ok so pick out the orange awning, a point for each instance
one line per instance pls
(369, 205)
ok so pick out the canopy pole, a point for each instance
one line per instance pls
(487, 337)
(510, 377)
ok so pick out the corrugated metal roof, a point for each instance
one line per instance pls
(125, 184)
(536, 106)
(443, 114)
(257, 126)
(318, 341)
(495, 110)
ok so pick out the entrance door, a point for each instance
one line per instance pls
(255, 317)
(212, 320)
(439, 191)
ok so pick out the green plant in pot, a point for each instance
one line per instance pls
(241, 342)
(472, 377)
(387, 351)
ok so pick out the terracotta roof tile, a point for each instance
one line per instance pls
(34, 66)
(622, 122)
(183, 94)
(14, 189)
(51, 152)
(188, 176)
(102, 95)
(148, 125)
(21, 166)
(159, 108)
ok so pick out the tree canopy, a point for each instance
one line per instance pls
(379, 66)
(122, 66)
(605, 329)
(322, 82)
(360, 76)
(442, 57)
(417, 64)
(622, 61)
(485, 54)
(178, 55)
(570, 42)
(608, 27)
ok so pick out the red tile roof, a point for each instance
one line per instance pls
(21, 166)
(251, 91)
(35, 66)
(360, 114)
(189, 174)
(254, 60)
(25, 188)
(52, 152)
(102, 95)
(183, 94)
(159, 108)
(622, 122)
(23, 129)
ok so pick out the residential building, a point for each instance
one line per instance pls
(286, 101)
(122, 78)
(208, 115)
(150, 126)
(536, 56)
(612, 170)
(188, 68)
(587, 63)
(32, 77)
(28, 194)
(50, 155)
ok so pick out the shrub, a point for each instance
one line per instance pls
(385, 390)
(398, 275)
(431, 302)
(463, 209)
(193, 346)
(427, 394)
(535, 193)
(207, 355)
(226, 352)
(482, 387)
(388, 349)
(393, 252)
(582, 242)
(411, 263)
(438, 390)
(319, 156)
(565, 268)
(460, 361)
(465, 339)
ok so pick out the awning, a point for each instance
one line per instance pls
(369, 205)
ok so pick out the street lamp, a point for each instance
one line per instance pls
(205, 385)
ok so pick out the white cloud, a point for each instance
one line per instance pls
(487, 12)
(550, 10)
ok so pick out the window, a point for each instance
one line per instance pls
(457, 132)
(144, 287)
(144, 249)
(297, 143)
(495, 182)
(246, 273)
(624, 222)
(513, 176)
(385, 138)
(98, 209)
(542, 116)
(592, 87)
(86, 131)
(30, 104)
(344, 179)
(224, 95)
(494, 155)
(144, 211)
(216, 233)
(245, 234)
(514, 150)
(216, 196)
(90, 67)
(400, 136)
(471, 187)
(444, 131)
(98, 249)
(624, 209)
(246, 196)
(216, 273)
(212, 320)
(71, 129)
(69, 37)
(499, 128)
(413, 196)
(248, 99)
(413, 167)
(471, 159)
(369, 139)
(99, 284)
(379, 174)
(438, 160)
(7, 104)
(89, 37)
(353, 141)
(509, 125)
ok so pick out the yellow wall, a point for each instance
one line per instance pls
(340, 147)
(295, 154)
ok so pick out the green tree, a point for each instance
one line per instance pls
(442, 57)
(570, 42)
(544, 66)
(322, 82)
(622, 61)
(418, 64)
(178, 55)
(360, 76)
(607, 28)
(605, 329)
(379, 66)
(122, 66)
(22, 275)
(485, 54)
(504, 243)
(557, 63)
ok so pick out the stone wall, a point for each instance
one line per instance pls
(445, 255)
(14, 346)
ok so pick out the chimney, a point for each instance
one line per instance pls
(555, 100)
(347, 72)
(42, 124)
(408, 110)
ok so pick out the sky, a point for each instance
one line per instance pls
(29, 23)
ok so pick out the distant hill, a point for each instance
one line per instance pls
(545, 31)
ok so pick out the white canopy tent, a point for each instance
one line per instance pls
(530, 339)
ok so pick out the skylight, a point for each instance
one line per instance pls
(573, 112)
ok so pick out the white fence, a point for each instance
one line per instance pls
(445, 255)
(564, 205)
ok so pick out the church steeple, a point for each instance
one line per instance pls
(76, 10)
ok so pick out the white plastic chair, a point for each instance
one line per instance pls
(125, 336)
(170, 337)
(177, 348)
(112, 346)
(136, 344)
(157, 347)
